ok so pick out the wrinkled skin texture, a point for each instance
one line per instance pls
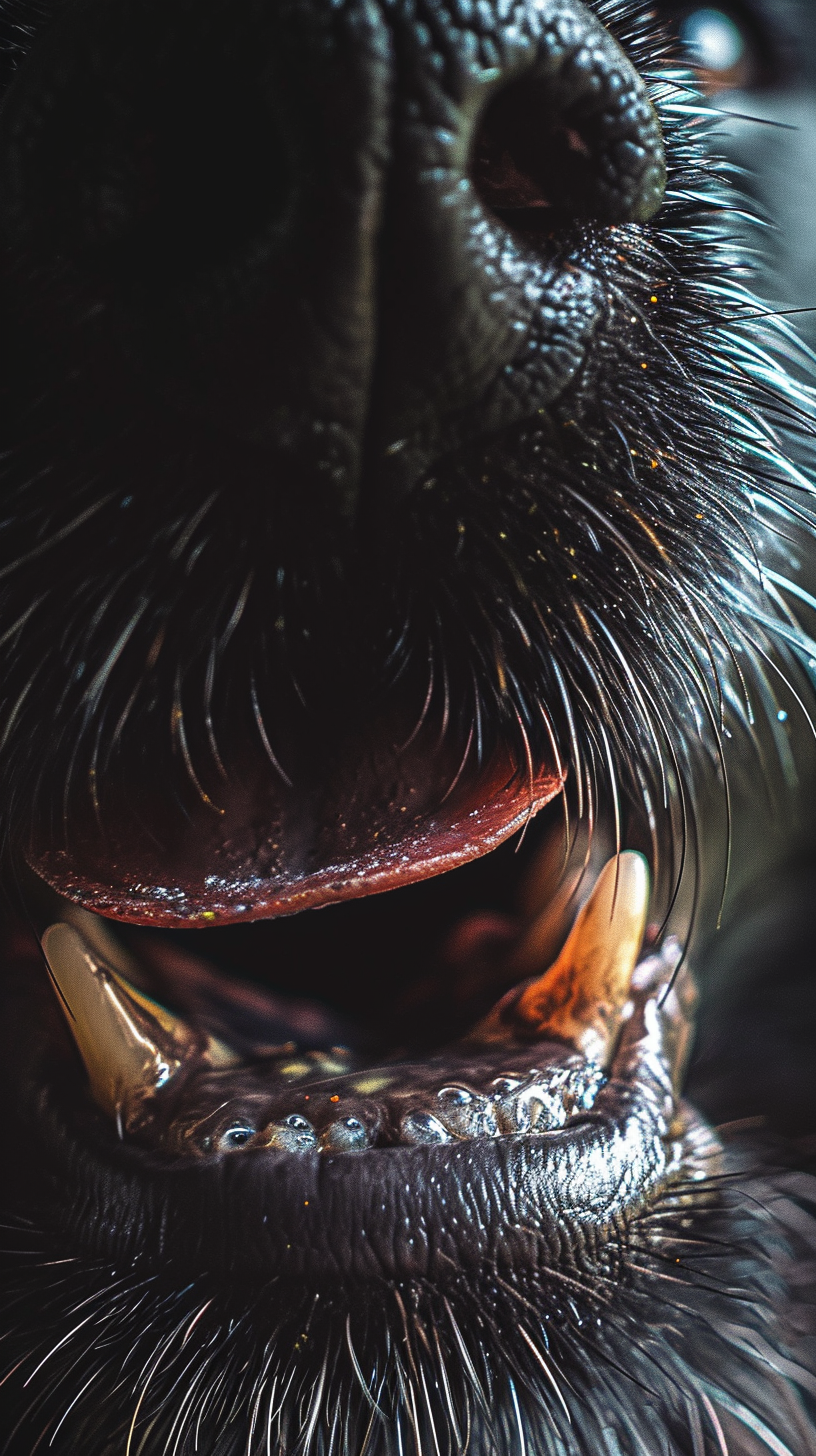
(386, 444)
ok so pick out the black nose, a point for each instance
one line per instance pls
(352, 235)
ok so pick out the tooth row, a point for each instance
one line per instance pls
(294, 1134)
(534, 1103)
(530, 1103)
(138, 1054)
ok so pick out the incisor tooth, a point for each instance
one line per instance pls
(130, 1045)
(581, 997)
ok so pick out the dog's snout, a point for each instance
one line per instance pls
(516, 147)
(348, 235)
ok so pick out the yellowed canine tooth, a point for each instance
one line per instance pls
(131, 1046)
(102, 939)
(553, 892)
(582, 995)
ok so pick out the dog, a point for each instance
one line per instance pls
(407, 516)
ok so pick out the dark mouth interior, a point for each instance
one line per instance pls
(583, 1054)
(401, 972)
(374, 1035)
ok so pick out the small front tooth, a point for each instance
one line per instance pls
(131, 1046)
(235, 1137)
(293, 1134)
(581, 997)
(423, 1127)
(100, 936)
(347, 1135)
(529, 1110)
(467, 1114)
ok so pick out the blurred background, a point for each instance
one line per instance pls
(756, 60)
(756, 1046)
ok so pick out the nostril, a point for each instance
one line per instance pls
(582, 142)
(530, 166)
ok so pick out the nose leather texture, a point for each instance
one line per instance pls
(480, 327)
(270, 210)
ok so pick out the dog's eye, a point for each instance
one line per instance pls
(731, 46)
(720, 48)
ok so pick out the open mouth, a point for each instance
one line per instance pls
(391, 1155)
(486, 1177)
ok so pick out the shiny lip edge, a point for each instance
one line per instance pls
(434, 846)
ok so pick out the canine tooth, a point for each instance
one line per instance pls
(102, 939)
(552, 895)
(423, 1127)
(131, 1046)
(467, 1114)
(581, 997)
(105, 944)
